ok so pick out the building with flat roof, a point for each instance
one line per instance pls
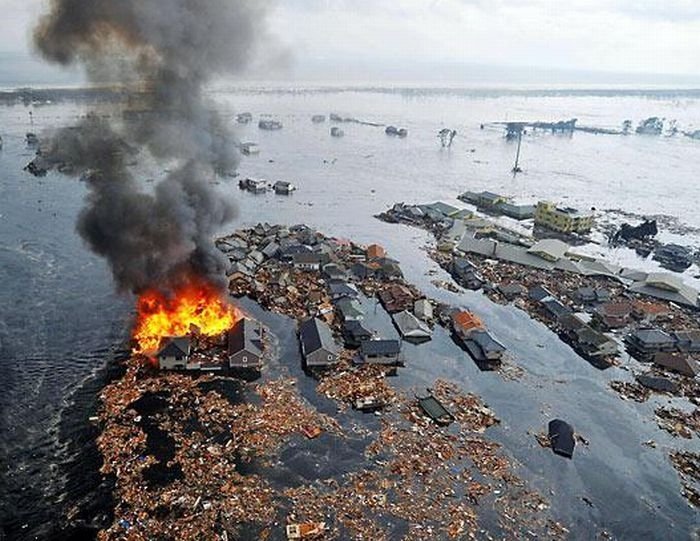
(562, 219)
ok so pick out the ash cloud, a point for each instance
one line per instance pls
(162, 53)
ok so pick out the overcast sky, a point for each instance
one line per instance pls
(647, 36)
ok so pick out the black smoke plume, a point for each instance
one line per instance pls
(162, 52)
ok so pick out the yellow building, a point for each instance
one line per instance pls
(562, 219)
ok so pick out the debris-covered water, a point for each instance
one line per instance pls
(61, 323)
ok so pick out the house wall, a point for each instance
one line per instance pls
(380, 359)
(244, 359)
(320, 357)
(548, 216)
(172, 363)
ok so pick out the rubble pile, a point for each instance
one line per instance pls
(198, 486)
(348, 384)
(426, 482)
(687, 464)
(630, 390)
(679, 423)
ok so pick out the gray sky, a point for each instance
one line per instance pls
(647, 36)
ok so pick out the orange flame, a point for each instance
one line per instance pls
(195, 303)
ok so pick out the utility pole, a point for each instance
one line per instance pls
(516, 167)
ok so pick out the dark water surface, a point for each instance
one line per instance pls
(61, 324)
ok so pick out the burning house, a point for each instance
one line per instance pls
(158, 241)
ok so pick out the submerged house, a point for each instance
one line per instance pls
(645, 343)
(411, 328)
(466, 273)
(380, 352)
(354, 333)
(245, 346)
(174, 353)
(317, 344)
(349, 309)
(484, 348)
(465, 323)
(282, 187)
(678, 362)
(434, 409)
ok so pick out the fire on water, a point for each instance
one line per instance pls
(195, 304)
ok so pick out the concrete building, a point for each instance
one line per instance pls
(562, 219)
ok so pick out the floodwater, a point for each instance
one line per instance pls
(61, 324)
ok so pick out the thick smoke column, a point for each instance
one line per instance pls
(163, 52)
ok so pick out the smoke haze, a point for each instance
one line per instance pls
(163, 53)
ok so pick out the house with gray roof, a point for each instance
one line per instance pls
(339, 289)
(245, 346)
(318, 346)
(665, 286)
(380, 352)
(644, 343)
(484, 348)
(349, 309)
(174, 353)
(440, 209)
(410, 327)
(309, 261)
(688, 341)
